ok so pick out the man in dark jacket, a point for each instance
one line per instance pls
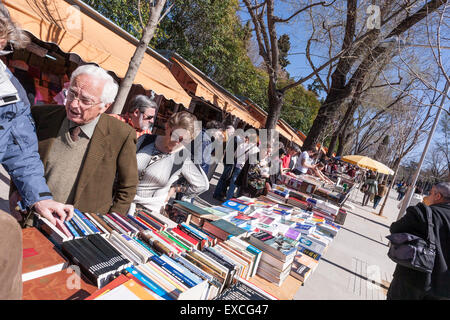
(409, 284)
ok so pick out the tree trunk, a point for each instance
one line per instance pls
(275, 104)
(137, 58)
(332, 144)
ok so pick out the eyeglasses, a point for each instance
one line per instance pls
(84, 102)
(147, 118)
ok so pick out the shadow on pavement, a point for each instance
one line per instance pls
(356, 274)
(373, 221)
(361, 235)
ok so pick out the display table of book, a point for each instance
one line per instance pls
(286, 291)
(243, 249)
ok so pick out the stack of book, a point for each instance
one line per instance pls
(197, 215)
(98, 258)
(278, 253)
(148, 220)
(223, 229)
(303, 266)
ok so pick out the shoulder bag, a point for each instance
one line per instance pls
(413, 252)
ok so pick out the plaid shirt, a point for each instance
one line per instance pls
(125, 118)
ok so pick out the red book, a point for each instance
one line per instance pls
(145, 214)
(187, 237)
(120, 224)
(60, 225)
(40, 258)
(167, 241)
(113, 284)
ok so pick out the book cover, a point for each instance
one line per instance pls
(129, 290)
(310, 245)
(40, 258)
(225, 228)
(62, 285)
(113, 284)
(300, 271)
(237, 206)
(278, 246)
(149, 283)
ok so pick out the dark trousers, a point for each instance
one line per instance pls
(376, 201)
(402, 290)
(366, 198)
(222, 184)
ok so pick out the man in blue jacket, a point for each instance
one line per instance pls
(18, 143)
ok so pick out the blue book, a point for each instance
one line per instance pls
(87, 221)
(236, 206)
(138, 222)
(71, 229)
(181, 268)
(174, 272)
(149, 283)
(79, 225)
(195, 230)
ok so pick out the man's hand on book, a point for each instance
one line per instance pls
(47, 208)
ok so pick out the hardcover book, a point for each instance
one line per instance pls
(62, 285)
(223, 229)
(278, 246)
(40, 258)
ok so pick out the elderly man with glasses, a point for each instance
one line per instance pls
(84, 150)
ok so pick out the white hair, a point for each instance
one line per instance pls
(111, 87)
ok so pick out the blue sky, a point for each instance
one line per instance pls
(299, 65)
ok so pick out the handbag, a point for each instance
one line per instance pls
(413, 252)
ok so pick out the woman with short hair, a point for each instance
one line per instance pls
(163, 160)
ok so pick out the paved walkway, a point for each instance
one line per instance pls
(355, 265)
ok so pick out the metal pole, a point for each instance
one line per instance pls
(410, 192)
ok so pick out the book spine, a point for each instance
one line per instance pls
(193, 230)
(309, 253)
(156, 243)
(82, 223)
(121, 226)
(149, 222)
(77, 225)
(144, 245)
(175, 241)
(152, 217)
(143, 226)
(114, 225)
(185, 236)
(174, 272)
(149, 226)
(72, 229)
(100, 227)
(101, 222)
(149, 283)
(87, 222)
(124, 223)
(181, 268)
(134, 224)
